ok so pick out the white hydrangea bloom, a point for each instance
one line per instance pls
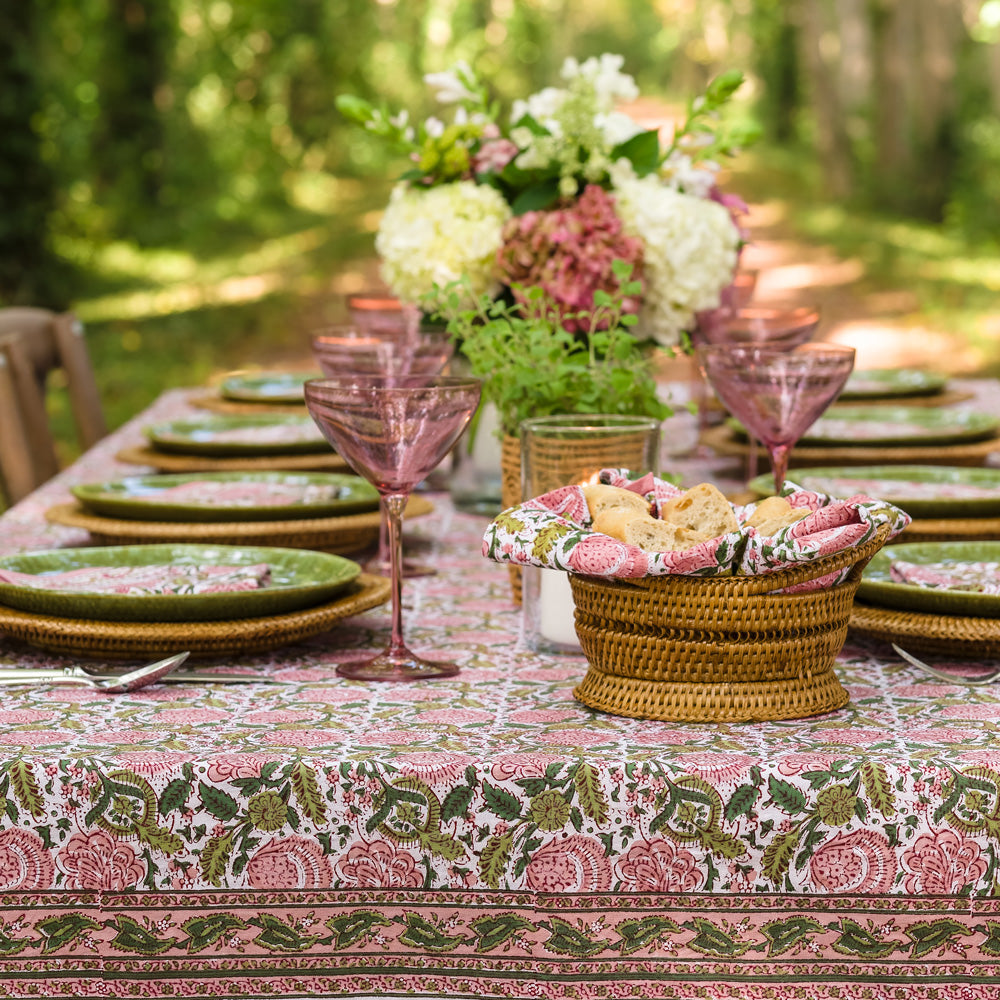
(690, 246)
(604, 73)
(435, 235)
(682, 174)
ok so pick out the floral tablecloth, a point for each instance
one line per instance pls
(484, 835)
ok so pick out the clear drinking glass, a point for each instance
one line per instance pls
(393, 431)
(561, 451)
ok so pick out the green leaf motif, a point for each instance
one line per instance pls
(494, 858)
(778, 855)
(353, 926)
(25, 788)
(637, 934)
(855, 940)
(276, 935)
(786, 796)
(501, 803)
(174, 797)
(589, 793)
(456, 803)
(536, 197)
(12, 945)
(421, 933)
(722, 844)
(159, 839)
(565, 939)
(60, 931)
(782, 935)
(642, 151)
(491, 932)
(307, 793)
(711, 940)
(216, 802)
(928, 936)
(215, 859)
(741, 802)
(991, 946)
(132, 937)
(205, 931)
(878, 788)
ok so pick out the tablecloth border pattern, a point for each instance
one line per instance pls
(579, 946)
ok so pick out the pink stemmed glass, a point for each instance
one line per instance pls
(381, 313)
(776, 394)
(393, 431)
(347, 350)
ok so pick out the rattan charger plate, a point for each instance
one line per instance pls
(952, 635)
(127, 640)
(219, 404)
(724, 649)
(947, 397)
(724, 442)
(319, 461)
(343, 535)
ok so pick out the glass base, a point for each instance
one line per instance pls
(381, 567)
(400, 666)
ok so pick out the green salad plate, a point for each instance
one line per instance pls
(230, 436)
(884, 383)
(921, 490)
(266, 387)
(299, 578)
(878, 586)
(229, 496)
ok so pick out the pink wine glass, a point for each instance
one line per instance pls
(382, 313)
(776, 394)
(348, 350)
(393, 431)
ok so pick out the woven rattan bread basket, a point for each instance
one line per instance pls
(724, 649)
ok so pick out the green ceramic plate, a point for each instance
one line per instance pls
(229, 436)
(920, 490)
(877, 586)
(881, 383)
(300, 578)
(900, 426)
(228, 496)
(267, 387)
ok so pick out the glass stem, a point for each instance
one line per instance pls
(392, 509)
(779, 465)
(382, 555)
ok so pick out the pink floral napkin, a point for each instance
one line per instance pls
(145, 580)
(245, 494)
(973, 577)
(553, 531)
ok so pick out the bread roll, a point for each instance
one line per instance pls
(643, 530)
(702, 511)
(774, 513)
(600, 497)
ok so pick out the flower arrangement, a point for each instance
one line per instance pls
(550, 200)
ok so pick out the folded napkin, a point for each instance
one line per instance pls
(290, 433)
(246, 494)
(553, 531)
(974, 577)
(145, 580)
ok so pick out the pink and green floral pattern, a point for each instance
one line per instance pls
(486, 835)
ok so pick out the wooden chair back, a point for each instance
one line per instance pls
(33, 343)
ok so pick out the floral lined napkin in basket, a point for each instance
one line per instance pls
(145, 580)
(553, 531)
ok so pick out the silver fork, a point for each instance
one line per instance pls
(944, 675)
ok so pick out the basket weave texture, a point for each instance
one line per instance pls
(722, 649)
(560, 462)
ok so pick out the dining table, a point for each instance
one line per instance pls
(484, 835)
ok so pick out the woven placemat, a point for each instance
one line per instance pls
(928, 633)
(343, 535)
(238, 407)
(320, 461)
(724, 442)
(127, 640)
(947, 397)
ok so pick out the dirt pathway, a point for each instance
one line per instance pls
(884, 328)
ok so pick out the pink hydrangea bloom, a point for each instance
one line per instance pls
(568, 252)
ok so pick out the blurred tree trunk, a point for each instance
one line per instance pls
(137, 41)
(774, 29)
(28, 273)
(822, 60)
